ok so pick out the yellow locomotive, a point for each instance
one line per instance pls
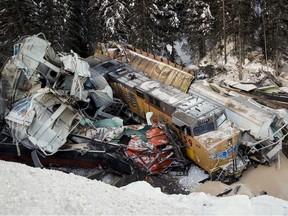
(211, 140)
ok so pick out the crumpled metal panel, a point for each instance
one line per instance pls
(245, 114)
(162, 72)
(81, 71)
(74, 64)
(32, 49)
(32, 53)
(14, 80)
(43, 121)
(102, 97)
(22, 113)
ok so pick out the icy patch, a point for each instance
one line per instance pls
(191, 181)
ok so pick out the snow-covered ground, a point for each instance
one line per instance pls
(252, 67)
(26, 190)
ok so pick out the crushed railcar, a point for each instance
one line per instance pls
(264, 130)
(57, 111)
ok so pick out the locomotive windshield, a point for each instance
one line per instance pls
(203, 129)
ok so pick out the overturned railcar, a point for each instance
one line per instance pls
(211, 141)
(264, 130)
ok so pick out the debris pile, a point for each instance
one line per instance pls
(61, 110)
(57, 111)
(156, 154)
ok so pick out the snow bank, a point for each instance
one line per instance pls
(26, 190)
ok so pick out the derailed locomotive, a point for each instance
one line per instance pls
(200, 119)
(210, 139)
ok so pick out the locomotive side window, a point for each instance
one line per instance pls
(150, 99)
(157, 103)
(140, 94)
(154, 101)
(167, 108)
(220, 119)
(186, 130)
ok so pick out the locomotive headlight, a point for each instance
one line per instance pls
(230, 142)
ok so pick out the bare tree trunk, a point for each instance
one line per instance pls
(277, 45)
(224, 31)
(240, 45)
(265, 39)
(202, 47)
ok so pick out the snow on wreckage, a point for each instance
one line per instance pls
(59, 110)
(223, 134)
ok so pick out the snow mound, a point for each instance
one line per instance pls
(29, 191)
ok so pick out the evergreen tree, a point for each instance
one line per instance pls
(151, 25)
(76, 36)
(52, 14)
(155, 27)
(243, 26)
(142, 24)
(114, 14)
(234, 21)
(16, 21)
(168, 24)
(198, 26)
(94, 21)
(274, 28)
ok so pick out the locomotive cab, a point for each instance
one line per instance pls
(200, 119)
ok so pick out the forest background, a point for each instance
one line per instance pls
(152, 25)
